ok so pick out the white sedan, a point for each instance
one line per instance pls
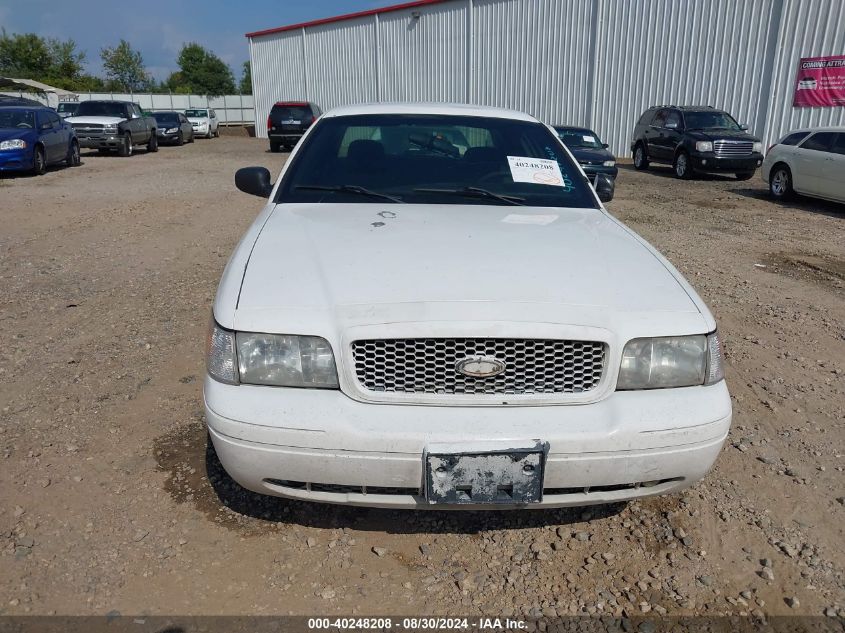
(809, 162)
(415, 324)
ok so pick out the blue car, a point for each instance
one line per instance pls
(32, 138)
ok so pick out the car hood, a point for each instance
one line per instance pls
(590, 155)
(8, 134)
(710, 135)
(101, 120)
(348, 259)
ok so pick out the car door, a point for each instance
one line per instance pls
(655, 135)
(184, 126)
(212, 120)
(808, 164)
(62, 135)
(833, 169)
(673, 132)
(136, 124)
(49, 136)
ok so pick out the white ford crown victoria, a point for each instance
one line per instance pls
(434, 310)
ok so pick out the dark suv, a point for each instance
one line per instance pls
(695, 139)
(288, 121)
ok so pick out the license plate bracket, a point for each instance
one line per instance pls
(510, 476)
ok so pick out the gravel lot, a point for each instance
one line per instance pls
(111, 502)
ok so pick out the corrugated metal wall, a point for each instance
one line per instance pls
(591, 62)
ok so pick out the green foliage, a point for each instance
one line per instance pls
(246, 79)
(125, 67)
(201, 72)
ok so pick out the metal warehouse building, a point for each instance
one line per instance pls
(597, 63)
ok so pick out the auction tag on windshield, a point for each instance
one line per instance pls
(537, 171)
(589, 139)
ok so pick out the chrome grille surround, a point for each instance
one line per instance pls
(427, 366)
(732, 149)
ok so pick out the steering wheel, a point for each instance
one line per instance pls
(24, 125)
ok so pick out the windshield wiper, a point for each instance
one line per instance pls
(476, 192)
(349, 189)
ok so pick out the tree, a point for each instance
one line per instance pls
(66, 61)
(246, 79)
(24, 55)
(201, 72)
(125, 67)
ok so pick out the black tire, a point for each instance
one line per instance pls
(125, 149)
(180, 140)
(152, 145)
(275, 147)
(217, 132)
(780, 182)
(682, 166)
(745, 175)
(73, 157)
(640, 157)
(39, 161)
(192, 139)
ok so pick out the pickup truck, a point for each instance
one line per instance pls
(114, 125)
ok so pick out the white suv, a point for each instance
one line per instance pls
(204, 122)
(810, 162)
(415, 323)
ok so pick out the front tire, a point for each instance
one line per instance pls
(39, 161)
(780, 182)
(125, 149)
(180, 140)
(152, 145)
(73, 157)
(682, 167)
(640, 159)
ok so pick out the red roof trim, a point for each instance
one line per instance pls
(346, 16)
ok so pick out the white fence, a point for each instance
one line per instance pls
(230, 109)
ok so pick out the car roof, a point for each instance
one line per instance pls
(445, 109)
(23, 106)
(167, 112)
(829, 128)
(292, 103)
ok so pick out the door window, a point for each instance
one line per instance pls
(54, 119)
(659, 119)
(839, 144)
(820, 142)
(673, 120)
(794, 139)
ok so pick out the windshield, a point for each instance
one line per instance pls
(20, 119)
(197, 114)
(291, 112)
(101, 108)
(440, 159)
(579, 137)
(166, 117)
(68, 107)
(710, 120)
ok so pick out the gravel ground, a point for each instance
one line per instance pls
(110, 500)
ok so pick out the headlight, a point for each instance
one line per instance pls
(15, 143)
(171, 130)
(281, 360)
(285, 360)
(220, 354)
(110, 129)
(704, 146)
(757, 148)
(673, 361)
(609, 163)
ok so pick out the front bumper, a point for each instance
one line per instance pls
(709, 162)
(103, 141)
(167, 138)
(592, 170)
(16, 159)
(321, 445)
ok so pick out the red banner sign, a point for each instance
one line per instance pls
(820, 82)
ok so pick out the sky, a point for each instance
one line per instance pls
(158, 28)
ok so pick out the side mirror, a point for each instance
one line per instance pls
(605, 145)
(605, 187)
(743, 127)
(254, 180)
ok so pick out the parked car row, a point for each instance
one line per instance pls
(33, 136)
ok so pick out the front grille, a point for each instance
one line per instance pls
(429, 365)
(732, 149)
(87, 126)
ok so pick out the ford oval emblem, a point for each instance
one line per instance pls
(480, 366)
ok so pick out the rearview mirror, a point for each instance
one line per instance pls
(605, 187)
(254, 180)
